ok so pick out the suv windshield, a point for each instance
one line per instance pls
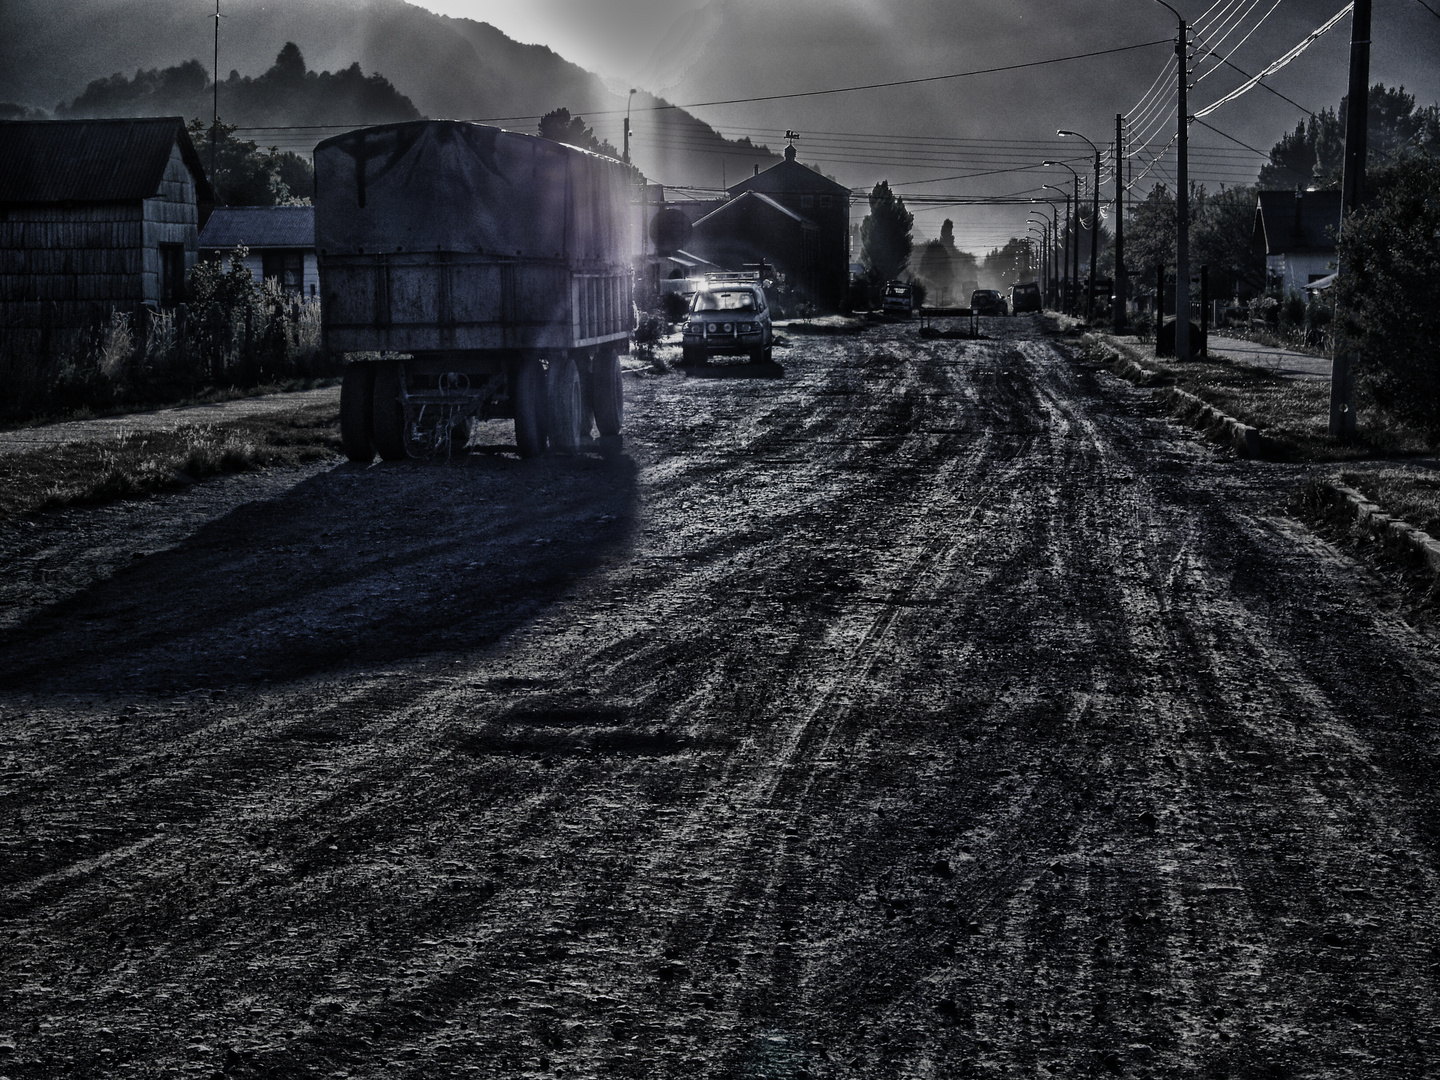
(736, 300)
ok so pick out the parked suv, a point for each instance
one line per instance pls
(729, 316)
(899, 299)
(987, 302)
(1024, 297)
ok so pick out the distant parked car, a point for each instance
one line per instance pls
(987, 302)
(899, 299)
(1024, 297)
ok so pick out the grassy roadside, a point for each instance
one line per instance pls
(1293, 415)
(133, 465)
(215, 395)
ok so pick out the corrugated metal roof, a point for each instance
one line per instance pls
(52, 161)
(259, 227)
(1288, 221)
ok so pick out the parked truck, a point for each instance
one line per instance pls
(491, 269)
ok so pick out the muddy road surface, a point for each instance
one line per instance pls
(936, 710)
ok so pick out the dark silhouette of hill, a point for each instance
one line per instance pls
(447, 68)
(285, 94)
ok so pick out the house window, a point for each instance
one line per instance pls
(172, 274)
(287, 267)
(807, 201)
(824, 202)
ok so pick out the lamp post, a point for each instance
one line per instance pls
(1094, 225)
(1182, 195)
(625, 154)
(1044, 249)
(1055, 228)
(1072, 226)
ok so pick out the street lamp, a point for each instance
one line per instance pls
(1182, 196)
(625, 154)
(1055, 226)
(1044, 249)
(1094, 225)
(1075, 229)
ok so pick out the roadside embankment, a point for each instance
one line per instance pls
(1259, 412)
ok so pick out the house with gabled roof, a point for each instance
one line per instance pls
(95, 216)
(1296, 231)
(279, 243)
(790, 217)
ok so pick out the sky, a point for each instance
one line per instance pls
(916, 135)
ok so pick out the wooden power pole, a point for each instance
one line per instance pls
(1352, 191)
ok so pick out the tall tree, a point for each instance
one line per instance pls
(1220, 238)
(559, 126)
(885, 237)
(1313, 155)
(1011, 263)
(246, 175)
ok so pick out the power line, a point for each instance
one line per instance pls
(1232, 138)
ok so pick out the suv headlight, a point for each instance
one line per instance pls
(727, 327)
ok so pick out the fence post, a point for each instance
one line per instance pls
(1159, 306)
(1205, 312)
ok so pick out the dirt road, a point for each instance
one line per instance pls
(935, 710)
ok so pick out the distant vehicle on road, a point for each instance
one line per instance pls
(729, 316)
(899, 299)
(987, 302)
(1024, 297)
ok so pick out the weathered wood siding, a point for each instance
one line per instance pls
(171, 217)
(64, 268)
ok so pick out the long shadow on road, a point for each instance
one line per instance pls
(355, 566)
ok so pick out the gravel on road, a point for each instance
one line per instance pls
(939, 709)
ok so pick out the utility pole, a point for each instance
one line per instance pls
(1094, 226)
(625, 153)
(1117, 313)
(1072, 228)
(1352, 191)
(215, 97)
(1182, 195)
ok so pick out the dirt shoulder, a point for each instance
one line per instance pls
(1292, 414)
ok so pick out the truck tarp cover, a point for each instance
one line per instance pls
(460, 187)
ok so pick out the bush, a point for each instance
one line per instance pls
(231, 333)
(1386, 289)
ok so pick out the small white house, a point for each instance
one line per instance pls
(1296, 230)
(280, 240)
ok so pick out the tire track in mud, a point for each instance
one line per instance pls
(848, 779)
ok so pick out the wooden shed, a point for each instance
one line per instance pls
(95, 216)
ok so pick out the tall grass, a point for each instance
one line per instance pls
(232, 335)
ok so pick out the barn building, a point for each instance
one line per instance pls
(279, 240)
(95, 216)
(791, 217)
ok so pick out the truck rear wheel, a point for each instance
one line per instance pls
(567, 407)
(388, 415)
(530, 408)
(607, 394)
(357, 408)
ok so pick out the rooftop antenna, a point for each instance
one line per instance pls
(215, 96)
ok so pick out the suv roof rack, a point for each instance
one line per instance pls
(748, 277)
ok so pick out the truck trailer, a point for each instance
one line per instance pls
(480, 273)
